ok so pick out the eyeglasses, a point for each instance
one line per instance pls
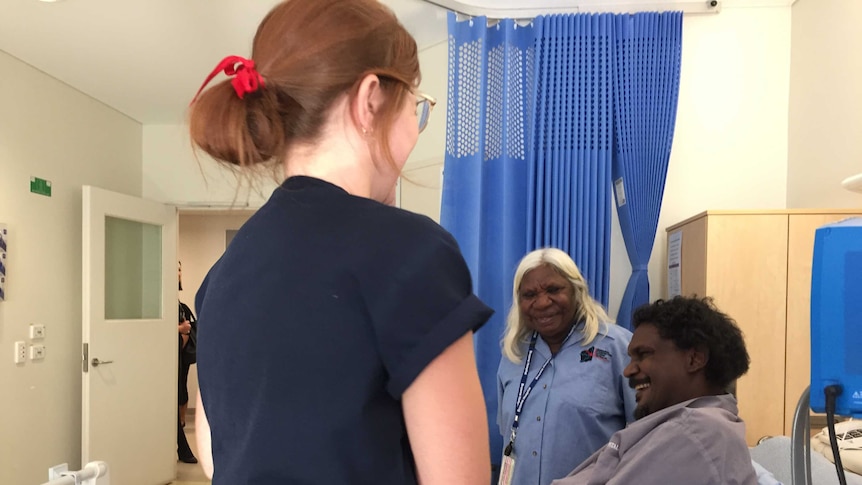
(424, 105)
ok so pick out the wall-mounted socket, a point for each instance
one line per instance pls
(37, 352)
(20, 352)
(37, 331)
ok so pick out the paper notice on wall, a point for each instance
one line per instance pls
(674, 264)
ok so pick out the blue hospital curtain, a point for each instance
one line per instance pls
(484, 201)
(569, 202)
(528, 158)
(646, 89)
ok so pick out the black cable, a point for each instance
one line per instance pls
(832, 392)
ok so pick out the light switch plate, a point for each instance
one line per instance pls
(20, 352)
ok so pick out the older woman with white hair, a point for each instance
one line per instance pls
(561, 391)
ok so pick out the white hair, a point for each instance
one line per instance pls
(588, 311)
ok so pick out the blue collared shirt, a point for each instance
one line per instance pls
(580, 400)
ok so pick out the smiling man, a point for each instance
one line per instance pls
(684, 355)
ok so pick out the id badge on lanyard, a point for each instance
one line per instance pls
(507, 470)
(507, 467)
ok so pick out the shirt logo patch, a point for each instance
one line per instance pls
(601, 354)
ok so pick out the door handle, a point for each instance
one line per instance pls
(97, 362)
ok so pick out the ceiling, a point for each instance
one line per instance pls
(147, 58)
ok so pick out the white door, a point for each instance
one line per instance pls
(129, 408)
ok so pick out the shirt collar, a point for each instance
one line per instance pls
(575, 340)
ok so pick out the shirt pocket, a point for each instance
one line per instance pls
(588, 388)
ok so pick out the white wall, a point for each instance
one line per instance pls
(825, 103)
(174, 174)
(421, 183)
(49, 130)
(730, 145)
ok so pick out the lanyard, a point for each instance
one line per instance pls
(524, 392)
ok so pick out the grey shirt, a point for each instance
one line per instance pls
(701, 441)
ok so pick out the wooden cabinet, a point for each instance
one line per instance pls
(756, 265)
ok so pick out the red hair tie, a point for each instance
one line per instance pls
(246, 78)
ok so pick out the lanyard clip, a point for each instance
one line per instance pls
(508, 450)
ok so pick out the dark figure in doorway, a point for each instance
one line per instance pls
(186, 330)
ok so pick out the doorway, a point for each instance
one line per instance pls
(203, 236)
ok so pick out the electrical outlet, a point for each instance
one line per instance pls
(20, 352)
(37, 331)
(37, 352)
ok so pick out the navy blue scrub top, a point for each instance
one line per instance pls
(320, 314)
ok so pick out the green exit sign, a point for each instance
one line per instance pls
(40, 186)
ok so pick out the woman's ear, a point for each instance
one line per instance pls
(367, 103)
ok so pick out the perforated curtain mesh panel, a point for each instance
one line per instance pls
(470, 84)
(450, 88)
(505, 62)
(494, 103)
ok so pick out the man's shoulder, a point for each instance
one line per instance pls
(710, 439)
(714, 414)
(713, 410)
(706, 418)
(691, 442)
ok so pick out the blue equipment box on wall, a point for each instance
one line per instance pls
(836, 316)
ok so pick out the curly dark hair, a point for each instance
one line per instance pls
(692, 322)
